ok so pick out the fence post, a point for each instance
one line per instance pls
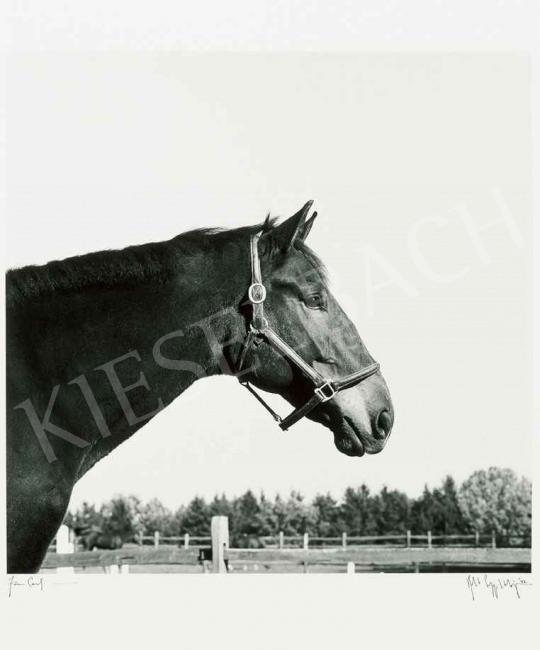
(220, 542)
(156, 538)
(493, 542)
(408, 539)
(281, 539)
(429, 539)
(306, 541)
(186, 540)
(477, 538)
(350, 567)
(344, 540)
(64, 545)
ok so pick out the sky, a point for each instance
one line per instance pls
(406, 157)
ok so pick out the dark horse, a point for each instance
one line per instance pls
(91, 537)
(99, 344)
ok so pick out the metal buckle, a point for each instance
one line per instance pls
(325, 392)
(252, 293)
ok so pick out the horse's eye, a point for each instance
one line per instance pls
(315, 301)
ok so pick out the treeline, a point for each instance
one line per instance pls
(493, 500)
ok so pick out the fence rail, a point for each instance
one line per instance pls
(178, 540)
(396, 553)
(406, 539)
(147, 559)
(305, 541)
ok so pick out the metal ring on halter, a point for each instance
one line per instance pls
(257, 287)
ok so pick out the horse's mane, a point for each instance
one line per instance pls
(157, 261)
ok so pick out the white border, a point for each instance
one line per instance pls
(276, 611)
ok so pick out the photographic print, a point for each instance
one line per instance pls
(415, 167)
(269, 324)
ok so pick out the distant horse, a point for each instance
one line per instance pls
(247, 541)
(98, 344)
(91, 537)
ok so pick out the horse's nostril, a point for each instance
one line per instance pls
(383, 424)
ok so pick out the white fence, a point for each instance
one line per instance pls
(292, 553)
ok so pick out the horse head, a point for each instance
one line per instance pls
(300, 313)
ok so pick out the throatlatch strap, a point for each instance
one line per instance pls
(270, 410)
(245, 349)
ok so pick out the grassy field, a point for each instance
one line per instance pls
(170, 559)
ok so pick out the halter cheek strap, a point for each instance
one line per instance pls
(257, 290)
(323, 389)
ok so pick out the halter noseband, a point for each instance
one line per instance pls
(324, 389)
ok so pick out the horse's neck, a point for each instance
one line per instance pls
(130, 352)
(178, 332)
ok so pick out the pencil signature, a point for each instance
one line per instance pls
(31, 582)
(495, 585)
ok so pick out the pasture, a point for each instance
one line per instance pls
(388, 559)
(388, 554)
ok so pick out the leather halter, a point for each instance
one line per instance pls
(323, 389)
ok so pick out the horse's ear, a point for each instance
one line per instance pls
(292, 228)
(302, 235)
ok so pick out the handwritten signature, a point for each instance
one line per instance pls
(496, 586)
(30, 582)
